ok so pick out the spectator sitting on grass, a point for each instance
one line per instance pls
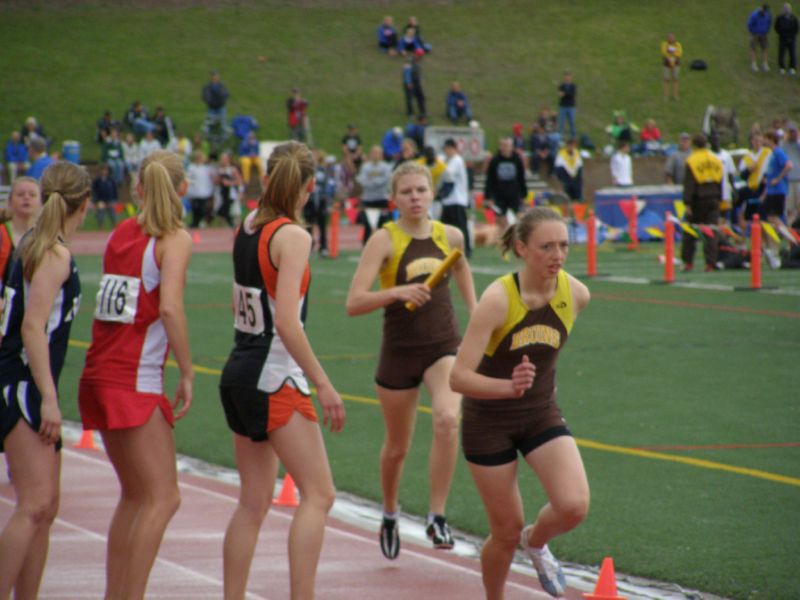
(138, 120)
(130, 150)
(413, 22)
(16, 156)
(620, 129)
(458, 104)
(540, 151)
(104, 197)
(104, 126)
(387, 36)
(392, 144)
(148, 145)
(31, 130)
(164, 127)
(649, 138)
(409, 43)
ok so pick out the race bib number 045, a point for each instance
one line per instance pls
(249, 313)
(117, 299)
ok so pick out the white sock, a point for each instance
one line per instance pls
(391, 515)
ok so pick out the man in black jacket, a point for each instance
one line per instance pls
(505, 183)
(786, 27)
(215, 95)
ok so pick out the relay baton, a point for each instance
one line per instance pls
(435, 277)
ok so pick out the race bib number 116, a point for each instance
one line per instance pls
(117, 299)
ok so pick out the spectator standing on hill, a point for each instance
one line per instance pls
(215, 95)
(412, 83)
(702, 191)
(454, 193)
(622, 166)
(752, 168)
(773, 198)
(458, 104)
(758, 24)
(786, 26)
(250, 158)
(569, 170)
(671, 53)
(39, 158)
(104, 126)
(505, 188)
(374, 177)
(791, 146)
(387, 36)
(676, 162)
(297, 108)
(567, 93)
(16, 156)
(104, 197)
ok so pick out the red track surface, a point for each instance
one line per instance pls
(189, 564)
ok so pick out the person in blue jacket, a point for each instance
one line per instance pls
(458, 104)
(759, 25)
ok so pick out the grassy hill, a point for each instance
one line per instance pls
(65, 62)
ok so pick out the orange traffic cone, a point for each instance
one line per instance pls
(87, 440)
(606, 587)
(288, 495)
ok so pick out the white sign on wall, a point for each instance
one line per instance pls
(468, 139)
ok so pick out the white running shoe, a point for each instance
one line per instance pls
(551, 576)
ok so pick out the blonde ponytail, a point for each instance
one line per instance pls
(66, 187)
(289, 168)
(161, 175)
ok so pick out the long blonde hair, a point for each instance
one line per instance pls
(289, 168)
(523, 228)
(6, 214)
(65, 187)
(161, 175)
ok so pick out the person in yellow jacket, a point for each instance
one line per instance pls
(671, 53)
(702, 191)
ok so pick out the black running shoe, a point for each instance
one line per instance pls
(439, 533)
(390, 538)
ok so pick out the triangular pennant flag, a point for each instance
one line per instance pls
(628, 208)
(689, 229)
(680, 208)
(655, 232)
(787, 233)
(674, 219)
(640, 204)
(795, 235)
(580, 211)
(730, 233)
(770, 231)
(706, 231)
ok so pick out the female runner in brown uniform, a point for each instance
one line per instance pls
(418, 347)
(506, 370)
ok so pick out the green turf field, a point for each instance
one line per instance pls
(65, 62)
(680, 398)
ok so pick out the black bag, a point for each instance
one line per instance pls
(698, 64)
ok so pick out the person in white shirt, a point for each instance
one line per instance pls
(622, 166)
(728, 175)
(200, 176)
(454, 192)
(148, 145)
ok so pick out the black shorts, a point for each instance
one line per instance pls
(404, 369)
(494, 431)
(20, 400)
(505, 204)
(774, 205)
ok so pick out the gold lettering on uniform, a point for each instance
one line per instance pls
(536, 334)
(421, 266)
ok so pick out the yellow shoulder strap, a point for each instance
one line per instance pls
(400, 240)
(516, 312)
(562, 301)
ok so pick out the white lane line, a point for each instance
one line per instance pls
(332, 528)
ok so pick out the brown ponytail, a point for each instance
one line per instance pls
(289, 168)
(65, 188)
(161, 175)
(523, 228)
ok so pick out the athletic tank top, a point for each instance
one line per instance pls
(13, 357)
(6, 252)
(540, 334)
(259, 358)
(129, 343)
(412, 261)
